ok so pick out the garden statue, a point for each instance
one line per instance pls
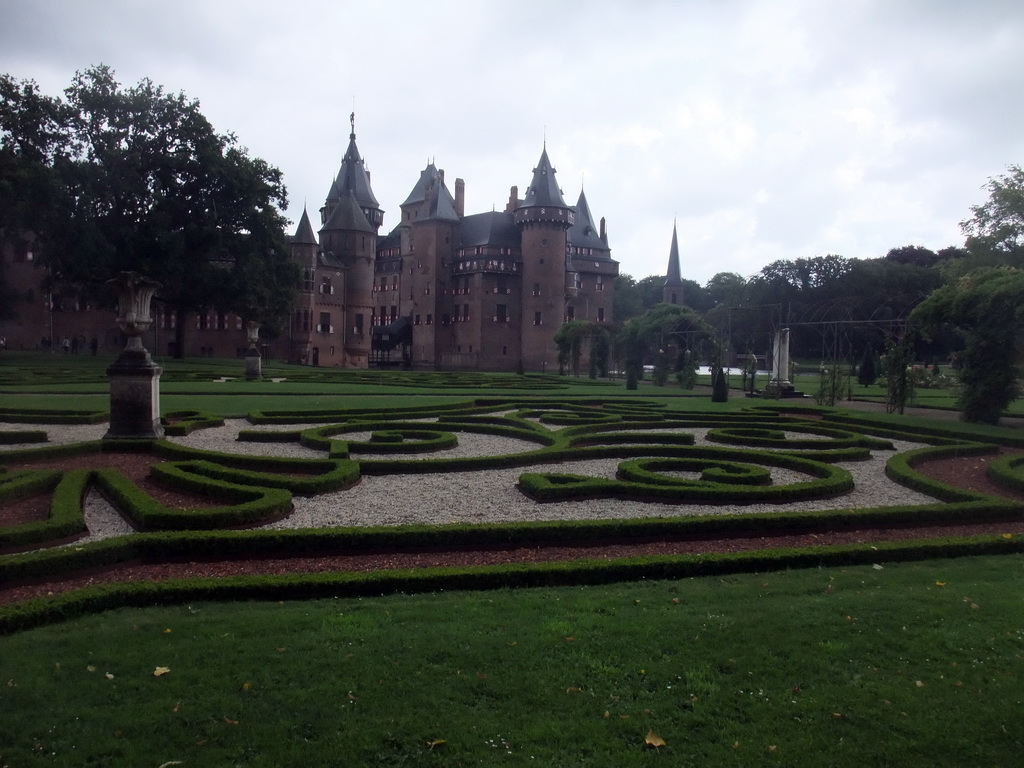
(134, 377)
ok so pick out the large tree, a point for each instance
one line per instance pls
(141, 181)
(987, 306)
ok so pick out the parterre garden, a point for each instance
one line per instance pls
(455, 666)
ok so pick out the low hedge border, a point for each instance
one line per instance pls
(901, 469)
(246, 504)
(337, 476)
(189, 421)
(405, 441)
(191, 545)
(1007, 472)
(96, 599)
(63, 520)
(771, 438)
(641, 484)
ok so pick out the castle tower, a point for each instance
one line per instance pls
(351, 217)
(672, 292)
(543, 220)
(304, 250)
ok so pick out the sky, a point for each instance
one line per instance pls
(763, 129)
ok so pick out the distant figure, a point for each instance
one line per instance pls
(66, 345)
(94, 345)
(74, 345)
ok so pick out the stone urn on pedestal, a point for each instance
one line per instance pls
(134, 377)
(253, 360)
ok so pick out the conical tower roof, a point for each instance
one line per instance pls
(352, 176)
(543, 190)
(583, 233)
(304, 234)
(348, 215)
(674, 277)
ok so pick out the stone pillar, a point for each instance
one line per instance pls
(134, 377)
(780, 358)
(253, 360)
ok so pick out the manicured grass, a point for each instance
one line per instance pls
(916, 664)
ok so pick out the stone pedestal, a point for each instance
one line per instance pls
(134, 396)
(253, 359)
(134, 377)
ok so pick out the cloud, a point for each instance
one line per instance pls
(769, 128)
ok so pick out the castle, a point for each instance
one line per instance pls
(442, 289)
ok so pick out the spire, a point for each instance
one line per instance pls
(672, 292)
(304, 234)
(352, 176)
(543, 190)
(674, 277)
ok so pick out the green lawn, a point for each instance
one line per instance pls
(916, 664)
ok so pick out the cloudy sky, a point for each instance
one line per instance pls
(768, 129)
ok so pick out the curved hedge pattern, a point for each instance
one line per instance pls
(648, 438)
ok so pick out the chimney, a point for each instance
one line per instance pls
(441, 174)
(460, 198)
(604, 232)
(513, 200)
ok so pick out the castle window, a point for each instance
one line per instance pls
(357, 329)
(570, 314)
(430, 319)
(600, 283)
(537, 318)
(536, 289)
(600, 314)
(307, 280)
(416, 321)
(446, 320)
(501, 313)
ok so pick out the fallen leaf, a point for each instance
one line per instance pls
(281, 650)
(436, 743)
(735, 745)
(607, 714)
(676, 600)
(170, 762)
(229, 721)
(877, 567)
(1007, 535)
(940, 583)
(246, 686)
(109, 676)
(836, 715)
(574, 690)
(175, 710)
(772, 748)
(167, 631)
(352, 696)
(90, 668)
(654, 740)
(161, 671)
(481, 675)
(919, 684)
(570, 639)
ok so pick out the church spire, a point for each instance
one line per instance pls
(672, 293)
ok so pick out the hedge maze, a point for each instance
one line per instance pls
(697, 474)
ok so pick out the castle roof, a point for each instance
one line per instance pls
(304, 233)
(543, 190)
(352, 176)
(674, 277)
(431, 189)
(583, 233)
(491, 228)
(347, 214)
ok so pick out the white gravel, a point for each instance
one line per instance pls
(480, 496)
